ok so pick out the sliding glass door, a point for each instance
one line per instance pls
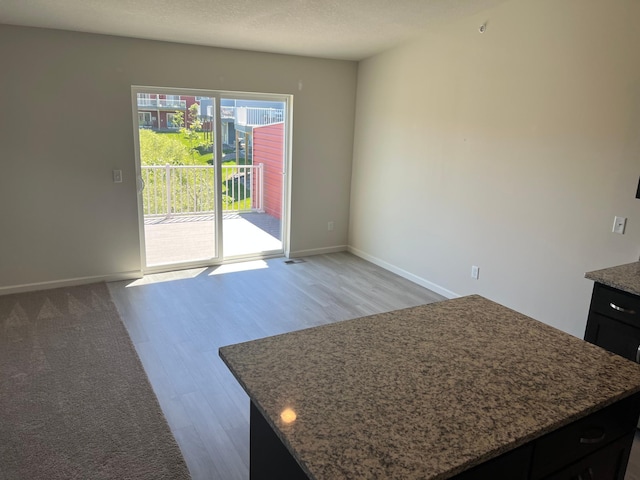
(211, 175)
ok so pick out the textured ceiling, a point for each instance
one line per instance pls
(340, 29)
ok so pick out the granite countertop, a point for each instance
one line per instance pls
(623, 277)
(425, 392)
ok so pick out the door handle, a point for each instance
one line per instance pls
(638, 354)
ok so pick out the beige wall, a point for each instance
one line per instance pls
(66, 122)
(512, 150)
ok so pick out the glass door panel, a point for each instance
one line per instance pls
(178, 179)
(252, 184)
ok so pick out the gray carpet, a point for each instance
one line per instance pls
(75, 402)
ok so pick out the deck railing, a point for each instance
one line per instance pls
(173, 190)
(162, 103)
(252, 116)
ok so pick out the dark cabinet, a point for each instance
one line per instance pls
(613, 324)
(614, 321)
(608, 463)
(514, 465)
(583, 438)
(615, 336)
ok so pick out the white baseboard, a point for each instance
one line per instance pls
(69, 282)
(317, 251)
(403, 273)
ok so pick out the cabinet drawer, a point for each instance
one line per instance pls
(608, 463)
(614, 336)
(616, 304)
(584, 437)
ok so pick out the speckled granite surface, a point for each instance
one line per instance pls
(424, 392)
(623, 277)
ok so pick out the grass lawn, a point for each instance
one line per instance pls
(191, 143)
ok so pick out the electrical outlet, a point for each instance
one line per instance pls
(619, 223)
(117, 176)
(475, 272)
(330, 226)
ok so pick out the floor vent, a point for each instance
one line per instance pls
(294, 260)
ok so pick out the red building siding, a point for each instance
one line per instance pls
(268, 149)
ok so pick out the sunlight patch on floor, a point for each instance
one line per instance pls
(239, 267)
(168, 276)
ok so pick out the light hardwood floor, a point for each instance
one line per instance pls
(178, 320)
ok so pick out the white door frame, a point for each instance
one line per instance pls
(216, 95)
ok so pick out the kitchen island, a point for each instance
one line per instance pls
(463, 388)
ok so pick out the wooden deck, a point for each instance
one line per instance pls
(184, 239)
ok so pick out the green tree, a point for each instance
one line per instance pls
(158, 149)
(195, 124)
(192, 131)
(178, 120)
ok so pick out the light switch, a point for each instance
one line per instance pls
(618, 225)
(475, 272)
(117, 176)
